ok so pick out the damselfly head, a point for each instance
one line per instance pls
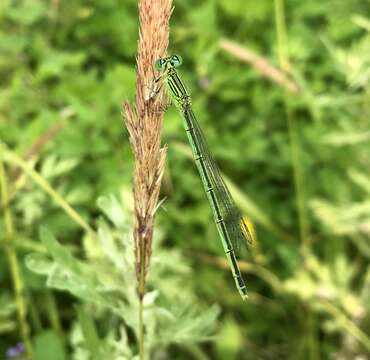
(171, 61)
(160, 64)
(175, 60)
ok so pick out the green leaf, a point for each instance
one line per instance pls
(29, 13)
(89, 332)
(113, 210)
(39, 263)
(62, 255)
(55, 63)
(49, 344)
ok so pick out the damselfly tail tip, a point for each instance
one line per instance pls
(243, 293)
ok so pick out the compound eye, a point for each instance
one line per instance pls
(176, 60)
(160, 65)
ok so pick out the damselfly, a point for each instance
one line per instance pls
(233, 230)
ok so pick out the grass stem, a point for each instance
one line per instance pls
(141, 330)
(298, 173)
(13, 158)
(141, 289)
(348, 324)
(15, 268)
(144, 123)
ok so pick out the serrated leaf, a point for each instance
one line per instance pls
(60, 253)
(39, 263)
(109, 246)
(112, 209)
(150, 297)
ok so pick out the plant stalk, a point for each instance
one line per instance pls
(141, 290)
(144, 122)
(13, 158)
(15, 270)
(298, 173)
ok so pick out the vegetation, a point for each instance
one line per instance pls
(281, 90)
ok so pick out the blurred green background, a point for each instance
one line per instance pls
(298, 163)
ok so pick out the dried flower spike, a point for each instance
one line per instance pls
(144, 123)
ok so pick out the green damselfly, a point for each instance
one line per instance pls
(230, 224)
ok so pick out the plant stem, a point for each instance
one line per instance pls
(347, 324)
(12, 157)
(141, 290)
(13, 262)
(292, 130)
(35, 318)
(141, 329)
(52, 310)
(144, 122)
(296, 163)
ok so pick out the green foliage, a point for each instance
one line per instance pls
(72, 63)
(47, 343)
(105, 283)
(7, 311)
